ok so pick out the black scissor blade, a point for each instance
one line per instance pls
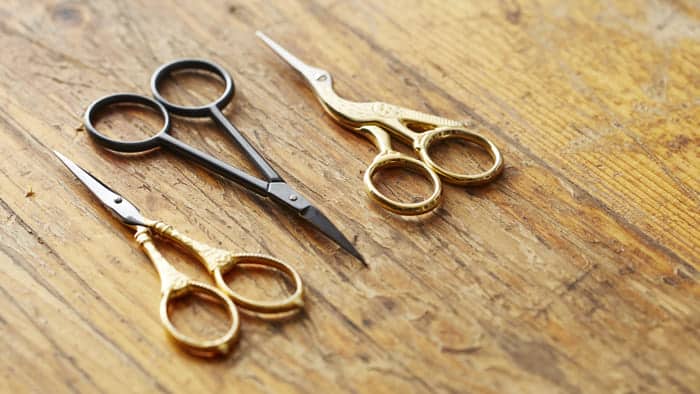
(283, 194)
(321, 222)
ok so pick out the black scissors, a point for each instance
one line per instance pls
(272, 185)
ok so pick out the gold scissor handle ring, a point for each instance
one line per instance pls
(396, 159)
(207, 347)
(425, 140)
(294, 301)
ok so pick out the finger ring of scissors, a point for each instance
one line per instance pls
(269, 185)
(219, 262)
(175, 284)
(380, 121)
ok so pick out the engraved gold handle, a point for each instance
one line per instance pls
(423, 141)
(218, 262)
(387, 158)
(175, 284)
(434, 129)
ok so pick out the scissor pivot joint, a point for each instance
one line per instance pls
(286, 195)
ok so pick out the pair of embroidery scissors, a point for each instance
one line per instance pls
(379, 121)
(175, 284)
(272, 185)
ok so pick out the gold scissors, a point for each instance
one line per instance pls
(175, 284)
(378, 120)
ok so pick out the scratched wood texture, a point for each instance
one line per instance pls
(576, 271)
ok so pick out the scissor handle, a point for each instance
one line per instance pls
(425, 140)
(207, 347)
(292, 302)
(193, 64)
(213, 109)
(219, 262)
(387, 158)
(125, 146)
(396, 159)
(174, 285)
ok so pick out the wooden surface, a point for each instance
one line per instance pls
(576, 271)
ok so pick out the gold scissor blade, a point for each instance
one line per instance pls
(309, 72)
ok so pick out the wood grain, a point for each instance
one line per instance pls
(577, 271)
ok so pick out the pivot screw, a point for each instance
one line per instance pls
(293, 197)
(118, 200)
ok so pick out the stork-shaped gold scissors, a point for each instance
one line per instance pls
(379, 121)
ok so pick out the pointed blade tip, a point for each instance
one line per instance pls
(358, 256)
(70, 165)
(60, 156)
(315, 217)
(349, 248)
(293, 61)
(267, 40)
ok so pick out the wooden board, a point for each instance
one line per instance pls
(576, 271)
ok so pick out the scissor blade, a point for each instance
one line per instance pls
(283, 194)
(118, 205)
(310, 73)
(321, 222)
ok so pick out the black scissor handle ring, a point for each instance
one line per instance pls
(125, 146)
(193, 64)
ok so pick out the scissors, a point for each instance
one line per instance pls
(272, 186)
(175, 284)
(379, 121)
